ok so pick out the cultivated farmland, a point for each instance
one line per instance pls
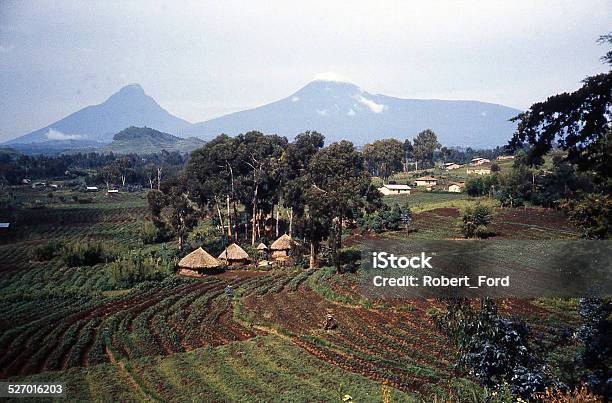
(186, 337)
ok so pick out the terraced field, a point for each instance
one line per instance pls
(264, 368)
(187, 339)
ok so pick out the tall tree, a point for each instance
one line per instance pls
(384, 157)
(123, 167)
(425, 144)
(212, 171)
(258, 155)
(172, 207)
(408, 153)
(578, 122)
(338, 174)
(294, 164)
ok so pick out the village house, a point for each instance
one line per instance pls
(450, 166)
(394, 189)
(505, 157)
(479, 161)
(234, 255)
(428, 181)
(91, 189)
(38, 185)
(197, 262)
(482, 171)
(456, 187)
(281, 247)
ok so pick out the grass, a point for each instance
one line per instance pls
(424, 200)
(265, 368)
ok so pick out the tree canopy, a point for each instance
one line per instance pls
(578, 122)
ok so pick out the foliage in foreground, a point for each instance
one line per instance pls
(596, 336)
(494, 349)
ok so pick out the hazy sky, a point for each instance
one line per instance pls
(204, 59)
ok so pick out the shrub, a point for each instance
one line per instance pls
(495, 349)
(153, 232)
(481, 185)
(591, 214)
(85, 253)
(350, 257)
(137, 267)
(475, 221)
(47, 251)
(385, 218)
(595, 334)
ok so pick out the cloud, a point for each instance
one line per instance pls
(323, 112)
(295, 99)
(351, 112)
(330, 76)
(374, 107)
(53, 134)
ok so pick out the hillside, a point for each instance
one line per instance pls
(144, 140)
(342, 110)
(130, 106)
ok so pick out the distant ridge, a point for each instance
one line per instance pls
(130, 106)
(330, 104)
(145, 140)
(339, 109)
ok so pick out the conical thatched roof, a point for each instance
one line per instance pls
(233, 252)
(262, 246)
(284, 242)
(199, 259)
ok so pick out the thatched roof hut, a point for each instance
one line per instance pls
(234, 254)
(199, 260)
(262, 246)
(281, 247)
(284, 242)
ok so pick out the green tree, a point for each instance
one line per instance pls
(338, 175)
(577, 122)
(259, 174)
(211, 176)
(171, 208)
(591, 214)
(408, 153)
(425, 144)
(384, 157)
(294, 169)
(445, 153)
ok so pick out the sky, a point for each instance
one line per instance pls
(204, 59)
